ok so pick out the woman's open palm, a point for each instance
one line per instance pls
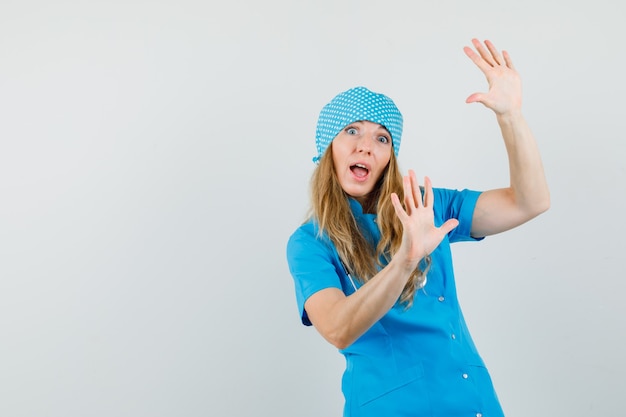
(420, 236)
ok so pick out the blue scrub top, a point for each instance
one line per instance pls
(416, 362)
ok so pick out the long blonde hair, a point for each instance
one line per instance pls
(331, 209)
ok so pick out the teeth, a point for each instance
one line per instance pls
(360, 166)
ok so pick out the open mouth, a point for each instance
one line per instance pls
(359, 170)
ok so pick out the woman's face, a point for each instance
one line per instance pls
(361, 151)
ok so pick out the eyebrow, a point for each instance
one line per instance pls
(379, 125)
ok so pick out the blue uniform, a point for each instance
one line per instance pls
(416, 362)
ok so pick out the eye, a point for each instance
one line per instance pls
(383, 139)
(351, 131)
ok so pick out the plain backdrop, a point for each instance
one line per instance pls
(155, 157)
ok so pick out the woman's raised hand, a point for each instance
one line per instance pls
(505, 87)
(420, 236)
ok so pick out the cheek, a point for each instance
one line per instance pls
(339, 152)
(384, 163)
(385, 157)
(335, 159)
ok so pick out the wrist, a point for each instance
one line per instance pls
(510, 117)
(404, 265)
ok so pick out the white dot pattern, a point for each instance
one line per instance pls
(357, 104)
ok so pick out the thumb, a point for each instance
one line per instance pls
(449, 225)
(475, 98)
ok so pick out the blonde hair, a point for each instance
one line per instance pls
(331, 209)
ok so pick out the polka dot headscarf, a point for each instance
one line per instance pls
(357, 104)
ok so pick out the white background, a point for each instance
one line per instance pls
(155, 157)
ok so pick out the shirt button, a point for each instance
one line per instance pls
(453, 336)
(479, 415)
(441, 298)
(465, 376)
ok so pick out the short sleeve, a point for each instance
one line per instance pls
(313, 265)
(460, 205)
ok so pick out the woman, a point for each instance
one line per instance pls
(373, 268)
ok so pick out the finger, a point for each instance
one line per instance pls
(508, 60)
(402, 215)
(395, 202)
(409, 201)
(429, 197)
(476, 59)
(417, 191)
(494, 52)
(484, 53)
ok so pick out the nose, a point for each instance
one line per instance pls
(364, 145)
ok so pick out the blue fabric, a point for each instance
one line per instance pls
(416, 362)
(357, 104)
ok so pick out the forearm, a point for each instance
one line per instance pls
(342, 320)
(528, 183)
(527, 195)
